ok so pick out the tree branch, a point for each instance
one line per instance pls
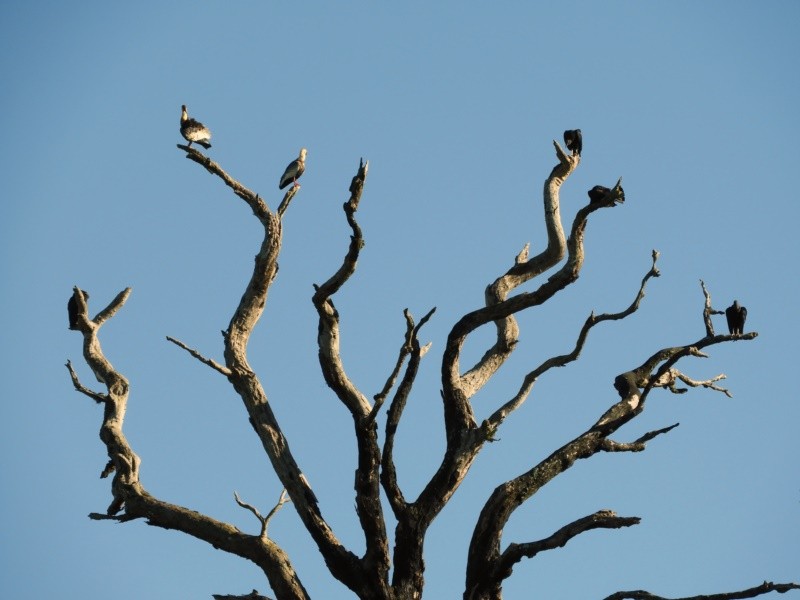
(129, 494)
(388, 471)
(707, 383)
(110, 310)
(374, 567)
(497, 418)
(708, 311)
(206, 361)
(259, 207)
(342, 563)
(328, 336)
(96, 396)
(523, 270)
(639, 445)
(264, 521)
(602, 519)
(254, 595)
(753, 592)
(484, 549)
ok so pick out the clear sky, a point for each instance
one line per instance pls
(455, 105)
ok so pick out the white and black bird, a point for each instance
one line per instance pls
(194, 131)
(736, 315)
(294, 170)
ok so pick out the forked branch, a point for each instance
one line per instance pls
(495, 420)
(129, 495)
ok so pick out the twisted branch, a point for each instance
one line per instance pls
(491, 424)
(129, 495)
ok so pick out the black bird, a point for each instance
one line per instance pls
(736, 315)
(194, 131)
(625, 384)
(294, 170)
(72, 309)
(574, 140)
(600, 193)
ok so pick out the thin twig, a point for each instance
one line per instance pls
(96, 396)
(638, 445)
(206, 361)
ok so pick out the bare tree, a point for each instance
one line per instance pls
(393, 567)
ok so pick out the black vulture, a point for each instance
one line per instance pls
(599, 194)
(574, 140)
(294, 170)
(625, 384)
(72, 309)
(194, 131)
(736, 315)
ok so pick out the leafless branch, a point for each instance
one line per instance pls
(282, 499)
(96, 396)
(264, 521)
(290, 193)
(523, 270)
(638, 445)
(753, 592)
(494, 421)
(388, 471)
(343, 564)
(130, 496)
(206, 361)
(708, 311)
(484, 547)
(255, 512)
(254, 595)
(328, 338)
(259, 207)
(602, 519)
(373, 569)
(707, 383)
(380, 397)
(110, 310)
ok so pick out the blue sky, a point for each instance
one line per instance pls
(455, 106)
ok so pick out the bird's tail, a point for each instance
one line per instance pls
(205, 145)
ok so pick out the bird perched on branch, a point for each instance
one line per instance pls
(574, 140)
(601, 193)
(736, 315)
(72, 309)
(194, 131)
(294, 170)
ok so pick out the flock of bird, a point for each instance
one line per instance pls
(735, 314)
(194, 131)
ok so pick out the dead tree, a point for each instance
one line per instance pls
(392, 567)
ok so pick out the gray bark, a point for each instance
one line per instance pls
(393, 569)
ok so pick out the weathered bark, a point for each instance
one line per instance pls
(128, 493)
(368, 576)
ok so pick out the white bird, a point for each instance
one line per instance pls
(194, 131)
(294, 170)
